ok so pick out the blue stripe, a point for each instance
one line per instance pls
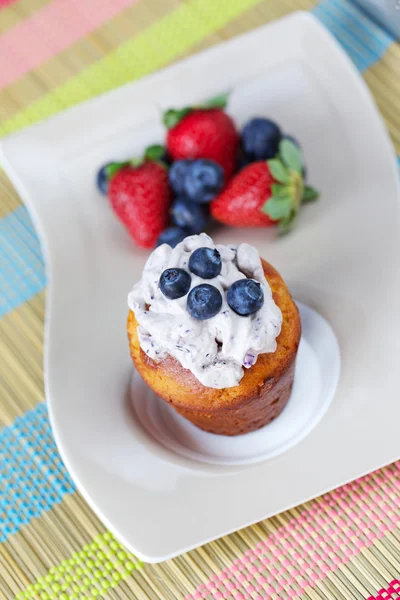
(32, 475)
(21, 263)
(363, 40)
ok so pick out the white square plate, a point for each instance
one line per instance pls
(342, 259)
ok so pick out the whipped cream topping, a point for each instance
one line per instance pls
(217, 349)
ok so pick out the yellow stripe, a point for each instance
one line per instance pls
(90, 573)
(85, 52)
(68, 551)
(122, 28)
(161, 43)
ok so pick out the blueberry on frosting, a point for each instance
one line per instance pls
(245, 297)
(204, 302)
(205, 262)
(175, 283)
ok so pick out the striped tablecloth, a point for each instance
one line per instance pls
(345, 545)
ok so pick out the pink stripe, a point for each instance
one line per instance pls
(6, 2)
(390, 593)
(50, 30)
(329, 534)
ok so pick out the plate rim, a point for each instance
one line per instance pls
(20, 186)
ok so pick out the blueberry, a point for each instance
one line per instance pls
(188, 215)
(175, 283)
(245, 297)
(204, 302)
(172, 236)
(203, 180)
(176, 175)
(205, 262)
(102, 178)
(260, 139)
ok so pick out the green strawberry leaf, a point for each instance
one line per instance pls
(155, 152)
(114, 168)
(309, 194)
(136, 162)
(278, 170)
(219, 101)
(280, 190)
(278, 207)
(291, 155)
(172, 117)
(287, 223)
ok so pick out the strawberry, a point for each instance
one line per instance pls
(140, 197)
(266, 192)
(203, 132)
(241, 202)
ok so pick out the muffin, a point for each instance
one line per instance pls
(214, 331)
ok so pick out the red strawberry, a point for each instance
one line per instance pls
(140, 197)
(240, 204)
(203, 132)
(265, 193)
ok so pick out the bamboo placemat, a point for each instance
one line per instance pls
(345, 545)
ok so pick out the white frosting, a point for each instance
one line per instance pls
(217, 349)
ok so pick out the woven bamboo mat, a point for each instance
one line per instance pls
(345, 545)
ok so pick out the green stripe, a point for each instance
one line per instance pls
(89, 574)
(159, 44)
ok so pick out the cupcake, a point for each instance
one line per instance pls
(214, 332)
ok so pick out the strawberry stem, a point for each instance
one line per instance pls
(298, 186)
(172, 117)
(290, 191)
(136, 162)
(114, 167)
(284, 203)
(217, 102)
(155, 152)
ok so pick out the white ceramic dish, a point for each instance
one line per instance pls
(316, 378)
(342, 259)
